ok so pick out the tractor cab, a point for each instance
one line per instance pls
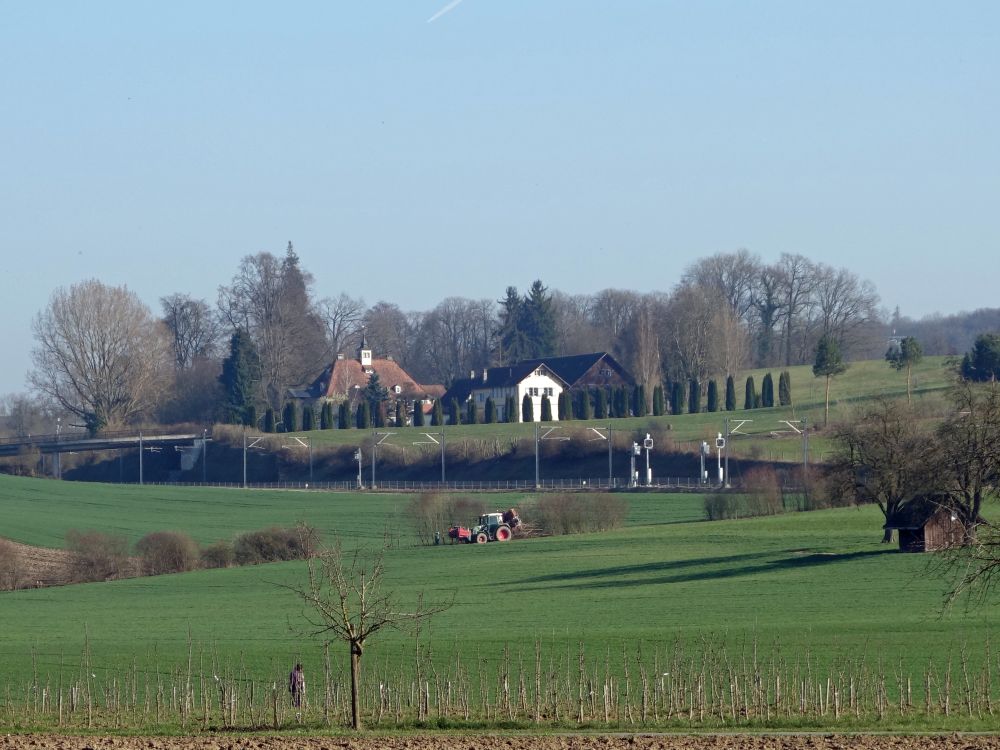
(491, 520)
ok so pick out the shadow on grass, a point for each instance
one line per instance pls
(683, 571)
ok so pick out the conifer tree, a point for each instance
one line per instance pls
(713, 396)
(785, 389)
(491, 410)
(363, 415)
(344, 415)
(767, 391)
(269, 420)
(730, 393)
(418, 413)
(750, 396)
(437, 413)
(240, 377)
(694, 397)
(527, 409)
(659, 406)
(289, 418)
(546, 415)
(601, 404)
(563, 407)
(510, 410)
(326, 416)
(639, 401)
(677, 398)
(586, 409)
(471, 413)
(828, 364)
(454, 412)
(308, 418)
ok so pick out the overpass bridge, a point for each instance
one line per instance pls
(75, 442)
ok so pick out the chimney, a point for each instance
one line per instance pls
(485, 372)
(340, 356)
(472, 374)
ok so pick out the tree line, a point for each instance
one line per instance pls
(106, 359)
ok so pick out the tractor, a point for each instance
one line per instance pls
(492, 527)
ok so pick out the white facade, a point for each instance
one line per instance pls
(537, 384)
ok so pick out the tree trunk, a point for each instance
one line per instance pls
(826, 409)
(355, 679)
(909, 398)
(886, 536)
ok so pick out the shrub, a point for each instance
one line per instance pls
(167, 552)
(763, 492)
(577, 513)
(10, 566)
(434, 511)
(274, 545)
(218, 555)
(96, 556)
(721, 506)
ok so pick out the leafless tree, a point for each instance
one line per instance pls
(611, 310)
(797, 275)
(642, 342)
(456, 338)
(193, 327)
(575, 331)
(100, 354)
(768, 306)
(270, 299)
(389, 331)
(688, 331)
(883, 456)
(342, 317)
(969, 450)
(731, 275)
(25, 415)
(346, 597)
(845, 305)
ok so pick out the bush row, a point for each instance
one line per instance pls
(99, 556)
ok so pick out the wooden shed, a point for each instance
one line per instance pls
(927, 524)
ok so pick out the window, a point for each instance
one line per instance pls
(547, 391)
(398, 389)
(532, 391)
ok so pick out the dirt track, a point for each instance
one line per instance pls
(509, 742)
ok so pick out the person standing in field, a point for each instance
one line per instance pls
(297, 685)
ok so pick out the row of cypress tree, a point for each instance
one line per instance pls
(594, 403)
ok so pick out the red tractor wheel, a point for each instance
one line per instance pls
(482, 537)
(503, 533)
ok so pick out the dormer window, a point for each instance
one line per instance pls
(398, 389)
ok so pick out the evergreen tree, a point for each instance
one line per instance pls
(677, 398)
(418, 413)
(400, 413)
(903, 357)
(527, 409)
(730, 393)
(982, 364)
(454, 412)
(639, 401)
(546, 415)
(510, 410)
(491, 410)
(785, 389)
(289, 418)
(471, 413)
(601, 404)
(585, 406)
(269, 420)
(694, 397)
(374, 393)
(363, 415)
(308, 418)
(659, 406)
(828, 364)
(539, 321)
(240, 378)
(563, 407)
(344, 415)
(511, 334)
(750, 396)
(767, 391)
(437, 413)
(326, 416)
(713, 396)
(251, 416)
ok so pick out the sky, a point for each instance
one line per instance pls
(587, 144)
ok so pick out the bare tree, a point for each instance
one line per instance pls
(883, 457)
(642, 341)
(342, 317)
(731, 275)
(452, 337)
(389, 331)
(25, 415)
(969, 450)
(100, 354)
(798, 281)
(845, 305)
(688, 333)
(575, 331)
(193, 327)
(269, 298)
(610, 311)
(348, 599)
(768, 305)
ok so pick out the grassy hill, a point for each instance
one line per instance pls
(816, 586)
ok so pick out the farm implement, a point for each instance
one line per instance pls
(492, 527)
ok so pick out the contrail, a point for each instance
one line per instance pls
(449, 7)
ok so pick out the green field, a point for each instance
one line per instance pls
(762, 438)
(816, 583)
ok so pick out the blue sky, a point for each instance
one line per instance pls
(589, 144)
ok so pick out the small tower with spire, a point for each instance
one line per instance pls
(365, 353)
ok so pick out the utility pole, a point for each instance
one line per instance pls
(537, 483)
(725, 482)
(805, 458)
(358, 456)
(244, 457)
(140, 457)
(611, 477)
(204, 455)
